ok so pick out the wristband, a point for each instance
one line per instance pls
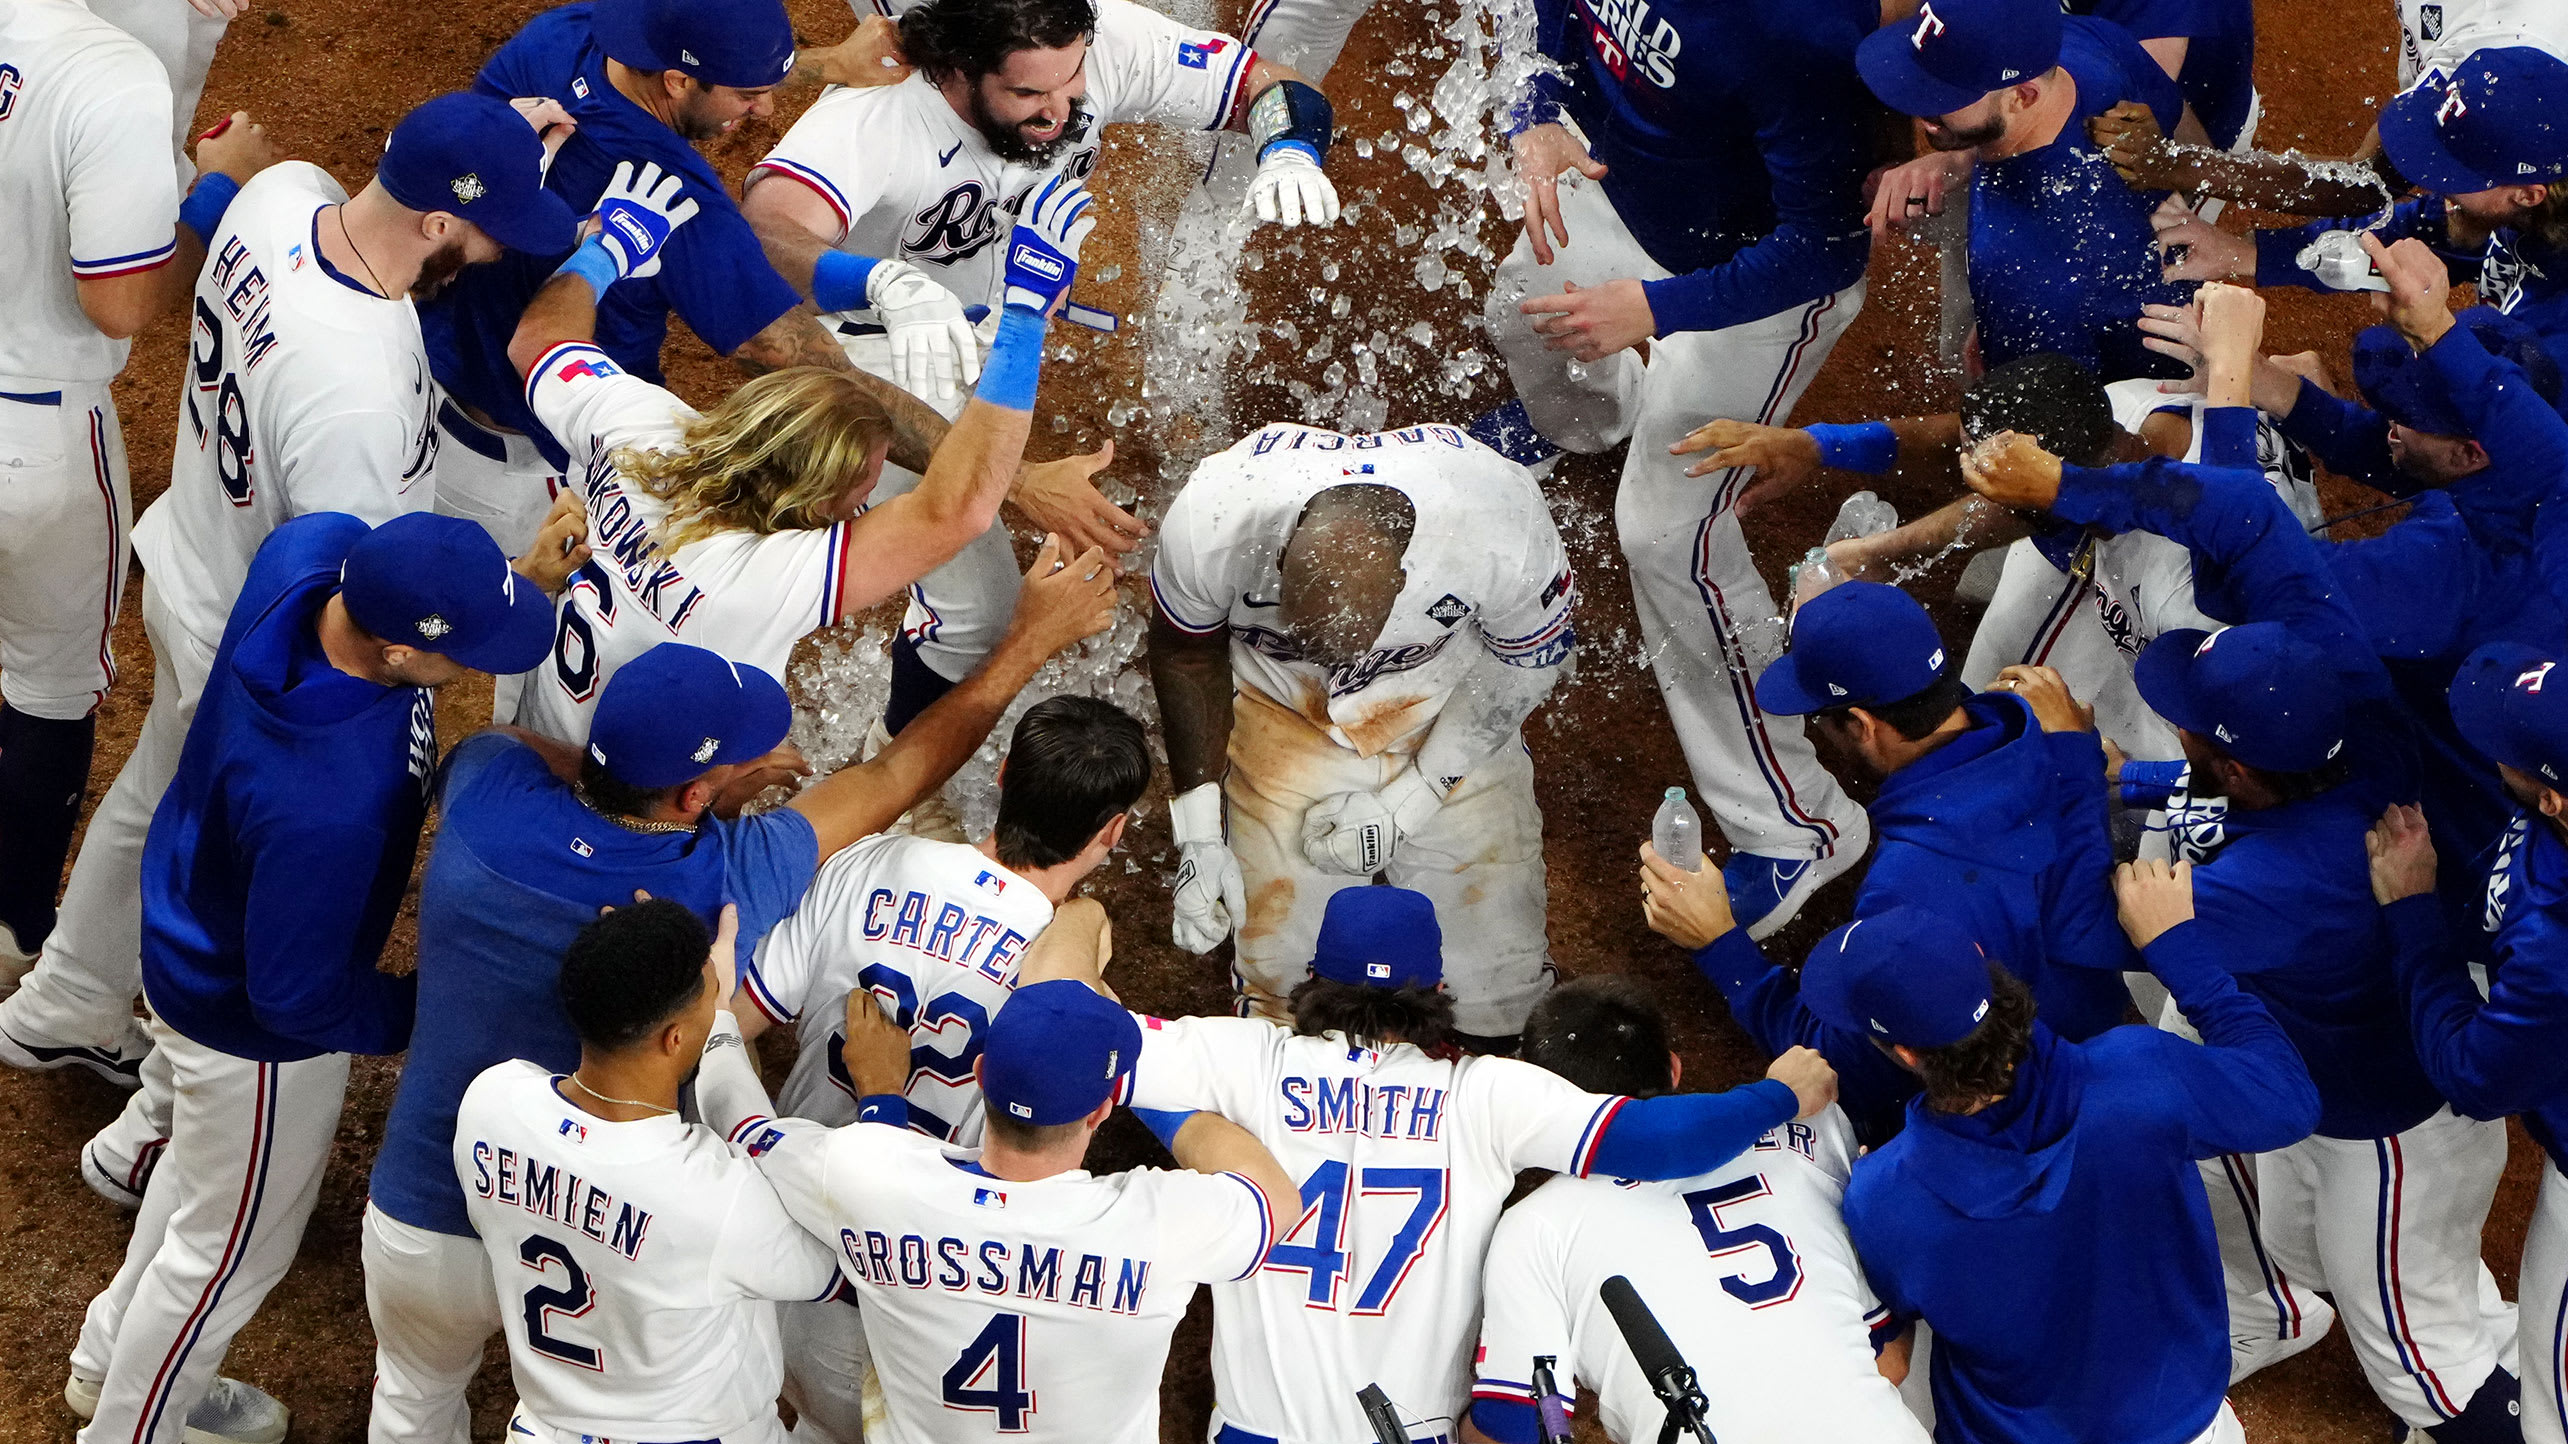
(592, 263)
(1869, 446)
(2149, 784)
(203, 209)
(1195, 815)
(1163, 1123)
(886, 1108)
(838, 281)
(1016, 361)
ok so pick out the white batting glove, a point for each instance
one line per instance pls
(1356, 832)
(934, 350)
(1212, 897)
(1290, 189)
(636, 215)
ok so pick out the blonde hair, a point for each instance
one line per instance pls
(772, 457)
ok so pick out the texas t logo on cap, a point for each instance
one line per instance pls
(2531, 681)
(1928, 23)
(2453, 107)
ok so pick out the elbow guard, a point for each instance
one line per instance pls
(1291, 113)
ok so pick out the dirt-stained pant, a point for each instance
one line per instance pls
(1480, 861)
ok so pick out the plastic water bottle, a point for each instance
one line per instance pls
(1677, 832)
(1862, 515)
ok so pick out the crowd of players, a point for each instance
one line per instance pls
(2297, 801)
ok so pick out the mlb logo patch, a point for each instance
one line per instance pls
(1377, 972)
(580, 845)
(767, 1138)
(988, 1198)
(991, 883)
(1193, 56)
(574, 1130)
(579, 86)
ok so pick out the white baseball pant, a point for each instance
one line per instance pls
(183, 41)
(522, 1425)
(1706, 617)
(497, 478)
(82, 990)
(434, 1308)
(65, 513)
(2040, 617)
(826, 1362)
(2272, 1315)
(2543, 1288)
(958, 611)
(218, 1227)
(1479, 860)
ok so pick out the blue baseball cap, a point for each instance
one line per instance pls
(1904, 975)
(2504, 701)
(1380, 937)
(2399, 384)
(2499, 118)
(439, 583)
(677, 712)
(2266, 697)
(472, 156)
(745, 44)
(1055, 1051)
(1857, 644)
(1952, 52)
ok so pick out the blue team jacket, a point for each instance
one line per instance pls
(2514, 272)
(1735, 140)
(2058, 1242)
(279, 854)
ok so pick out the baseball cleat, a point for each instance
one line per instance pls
(122, 1187)
(121, 1065)
(15, 961)
(230, 1413)
(1768, 892)
(1509, 431)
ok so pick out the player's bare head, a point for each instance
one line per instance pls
(1414, 1014)
(635, 974)
(1075, 766)
(2001, 120)
(792, 450)
(1603, 1033)
(1341, 570)
(1962, 1076)
(2048, 397)
(1014, 68)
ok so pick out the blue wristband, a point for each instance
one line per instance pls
(1163, 1123)
(1869, 446)
(591, 263)
(2150, 784)
(838, 281)
(203, 209)
(890, 1108)
(1016, 361)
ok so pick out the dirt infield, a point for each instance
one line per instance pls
(330, 79)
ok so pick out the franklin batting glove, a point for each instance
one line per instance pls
(934, 349)
(636, 216)
(1212, 897)
(1356, 832)
(1043, 254)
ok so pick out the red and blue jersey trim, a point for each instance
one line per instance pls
(1584, 1156)
(761, 996)
(1265, 1222)
(140, 261)
(1169, 615)
(833, 581)
(1241, 64)
(819, 184)
(1547, 647)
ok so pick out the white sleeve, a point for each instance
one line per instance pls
(1214, 1228)
(118, 182)
(791, 960)
(1525, 621)
(825, 151)
(793, 1154)
(594, 408)
(763, 1252)
(1216, 1064)
(1534, 1117)
(1186, 581)
(1145, 66)
(1522, 1311)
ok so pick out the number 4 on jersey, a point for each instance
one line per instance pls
(988, 1377)
(1328, 1258)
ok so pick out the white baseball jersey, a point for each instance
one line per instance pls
(745, 596)
(2444, 32)
(995, 1307)
(1404, 1161)
(912, 180)
(934, 931)
(1747, 1267)
(85, 184)
(635, 1262)
(1485, 565)
(304, 392)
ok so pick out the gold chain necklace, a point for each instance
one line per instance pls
(629, 824)
(625, 1102)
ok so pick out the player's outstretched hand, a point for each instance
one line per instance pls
(869, 56)
(2175, 331)
(2233, 326)
(1783, 457)
(2013, 470)
(935, 351)
(1062, 498)
(1076, 944)
(1593, 322)
(1905, 194)
(1043, 252)
(2402, 855)
(238, 147)
(553, 124)
(1689, 909)
(2128, 135)
(2047, 693)
(1211, 899)
(724, 956)
(877, 1050)
(636, 215)
(560, 547)
(1543, 154)
(1064, 600)
(2419, 301)
(1290, 189)
(2151, 897)
(784, 767)
(2194, 249)
(1807, 1074)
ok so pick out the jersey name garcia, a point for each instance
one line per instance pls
(1486, 572)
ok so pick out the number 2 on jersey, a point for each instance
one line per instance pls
(543, 1302)
(1328, 1259)
(988, 1377)
(1783, 1280)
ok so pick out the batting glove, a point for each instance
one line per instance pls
(637, 214)
(1356, 832)
(934, 349)
(1212, 897)
(1043, 255)
(1290, 189)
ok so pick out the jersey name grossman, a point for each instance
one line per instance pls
(996, 1267)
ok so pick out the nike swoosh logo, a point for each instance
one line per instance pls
(1254, 602)
(949, 155)
(78, 1054)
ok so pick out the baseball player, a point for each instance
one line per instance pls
(1747, 1267)
(182, 35)
(306, 390)
(745, 529)
(1720, 151)
(646, 1251)
(923, 174)
(276, 861)
(100, 245)
(1007, 1285)
(1350, 632)
(1405, 1154)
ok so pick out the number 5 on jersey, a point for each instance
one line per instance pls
(1327, 1256)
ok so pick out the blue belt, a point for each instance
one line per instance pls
(475, 436)
(33, 398)
(1233, 1434)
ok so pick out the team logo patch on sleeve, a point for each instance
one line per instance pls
(586, 366)
(1557, 586)
(1193, 56)
(767, 1138)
